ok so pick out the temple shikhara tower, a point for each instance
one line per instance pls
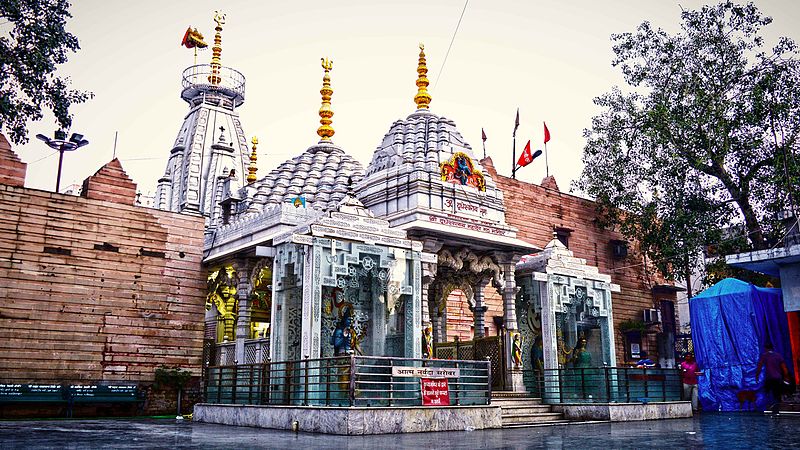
(211, 148)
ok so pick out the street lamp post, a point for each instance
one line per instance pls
(61, 144)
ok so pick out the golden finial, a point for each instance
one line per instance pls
(216, 50)
(325, 131)
(251, 169)
(422, 99)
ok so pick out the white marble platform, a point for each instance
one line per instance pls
(352, 420)
(624, 412)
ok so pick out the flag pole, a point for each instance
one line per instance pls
(483, 138)
(514, 149)
(546, 163)
(514, 156)
(546, 139)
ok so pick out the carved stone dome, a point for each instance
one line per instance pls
(320, 173)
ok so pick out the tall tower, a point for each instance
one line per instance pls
(211, 145)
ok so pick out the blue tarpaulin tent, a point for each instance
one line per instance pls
(731, 322)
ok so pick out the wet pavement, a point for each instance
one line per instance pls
(728, 431)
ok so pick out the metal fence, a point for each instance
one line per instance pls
(342, 381)
(490, 347)
(605, 385)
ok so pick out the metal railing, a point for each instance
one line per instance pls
(342, 381)
(604, 385)
(198, 78)
(224, 354)
(489, 347)
(256, 350)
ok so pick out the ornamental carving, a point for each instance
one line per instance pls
(461, 170)
(477, 263)
(463, 270)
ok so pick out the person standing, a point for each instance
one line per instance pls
(775, 373)
(689, 373)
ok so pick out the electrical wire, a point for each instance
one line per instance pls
(451, 45)
(43, 158)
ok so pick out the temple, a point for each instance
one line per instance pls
(321, 258)
(330, 283)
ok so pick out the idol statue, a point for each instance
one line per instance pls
(516, 350)
(427, 342)
(463, 171)
(581, 358)
(342, 335)
(537, 354)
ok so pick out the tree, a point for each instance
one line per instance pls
(29, 52)
(705, 139)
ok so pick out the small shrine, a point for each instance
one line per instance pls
(564, 312)
(346, 283)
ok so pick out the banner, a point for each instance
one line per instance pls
(435, 392)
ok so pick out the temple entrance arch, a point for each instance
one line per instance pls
(469, 272)
(463, 275)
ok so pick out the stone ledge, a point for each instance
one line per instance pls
(352, 420)
(624, 412)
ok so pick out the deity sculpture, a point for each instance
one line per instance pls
(516, 350)
(537, 354)
(341, 338)
(427, 342)
(221, 293)
(581, 358)
(463, 171)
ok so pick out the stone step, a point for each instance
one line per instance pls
(525, 409)
(509, 394)
(531, 418)
(516, 401)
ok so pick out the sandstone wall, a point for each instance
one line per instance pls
(97, 289)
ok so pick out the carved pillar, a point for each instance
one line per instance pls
(509, 293)
(431, 293)
(243, 288)
(479, 311)
(428, 274)
(438, 315)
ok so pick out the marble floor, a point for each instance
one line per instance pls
(727, 431)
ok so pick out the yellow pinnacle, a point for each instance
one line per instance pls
(422, 99)
(216, 50)
(251, 169)
(325, 131)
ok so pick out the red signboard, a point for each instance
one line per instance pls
(435, 392)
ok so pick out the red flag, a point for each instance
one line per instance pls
(546, 133)
(526, 157)
(483, 135)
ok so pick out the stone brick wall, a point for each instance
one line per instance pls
(534, 210)
(12, 171)
(94, 288)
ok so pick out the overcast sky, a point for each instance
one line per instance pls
(549, 58)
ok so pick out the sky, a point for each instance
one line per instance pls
(547, 58)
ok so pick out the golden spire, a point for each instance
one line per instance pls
(422, 99)
(325, 131)
(251, 169)
(216, 50)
